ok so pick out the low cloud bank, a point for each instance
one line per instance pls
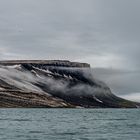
(38, 80)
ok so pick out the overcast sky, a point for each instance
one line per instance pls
(104, 33)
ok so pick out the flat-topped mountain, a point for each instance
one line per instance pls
(54, 83)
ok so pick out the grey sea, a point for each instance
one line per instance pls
(69, 124)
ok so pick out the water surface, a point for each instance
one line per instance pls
(69, 124)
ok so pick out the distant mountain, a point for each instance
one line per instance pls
(54, 83)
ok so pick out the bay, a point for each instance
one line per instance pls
(69, 124)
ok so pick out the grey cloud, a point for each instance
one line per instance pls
(93, 27)
(104, 33)
(121, 82)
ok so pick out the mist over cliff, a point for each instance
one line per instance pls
(54, 84)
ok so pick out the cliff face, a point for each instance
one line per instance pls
(54, 83)
(38, 63)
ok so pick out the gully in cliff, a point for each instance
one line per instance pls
(56, 84)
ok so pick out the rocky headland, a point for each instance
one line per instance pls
(54, 84)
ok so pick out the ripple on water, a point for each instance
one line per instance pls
(75, 124)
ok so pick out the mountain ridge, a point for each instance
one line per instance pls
(63, 63)
(56, 84)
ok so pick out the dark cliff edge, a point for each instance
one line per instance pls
(60, 63)
(54, 84)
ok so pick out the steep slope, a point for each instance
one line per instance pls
(54, 83)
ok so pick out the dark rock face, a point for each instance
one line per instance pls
(40, 63)
(54, 83)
